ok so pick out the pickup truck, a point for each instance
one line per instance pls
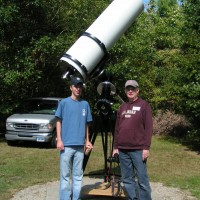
(34, 120)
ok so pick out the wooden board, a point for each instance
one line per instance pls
(102, 189)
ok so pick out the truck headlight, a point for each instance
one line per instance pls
(9, 125)
(46, 126)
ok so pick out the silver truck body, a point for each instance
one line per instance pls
(34, 121)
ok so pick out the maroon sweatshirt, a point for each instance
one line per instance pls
(134, 124)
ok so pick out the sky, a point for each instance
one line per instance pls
(145, 1)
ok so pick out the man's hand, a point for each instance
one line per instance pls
(115, 151)
(60, 145)
(145, 154)
(89, 145)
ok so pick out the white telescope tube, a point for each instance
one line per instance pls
(87, 52)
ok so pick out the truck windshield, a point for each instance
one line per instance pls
(38, 106)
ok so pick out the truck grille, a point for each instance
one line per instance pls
(26, 126)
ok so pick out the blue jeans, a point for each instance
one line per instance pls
(71, 163)
(132, 168)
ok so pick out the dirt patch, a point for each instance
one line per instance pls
(49, 191)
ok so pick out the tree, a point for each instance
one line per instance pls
(165, 6)
(34, 34)
(191, 60)
(160, 50)
(21, 65)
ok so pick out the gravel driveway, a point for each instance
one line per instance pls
(49, 191)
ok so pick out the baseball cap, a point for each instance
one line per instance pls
(132, 83)
(76, 81)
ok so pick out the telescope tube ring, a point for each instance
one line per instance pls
(77, 62)
(101, 44)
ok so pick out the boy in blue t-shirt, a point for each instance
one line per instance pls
(73, 116)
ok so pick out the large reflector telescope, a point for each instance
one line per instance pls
(85, 55)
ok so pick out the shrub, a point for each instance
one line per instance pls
(169, 123)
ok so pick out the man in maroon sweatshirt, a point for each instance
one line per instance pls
(132, 140)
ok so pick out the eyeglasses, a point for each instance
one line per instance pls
(131, 88)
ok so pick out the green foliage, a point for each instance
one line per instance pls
(25, 26)
(34, 34)
(191, 60)
(165, 6)
(160, 50)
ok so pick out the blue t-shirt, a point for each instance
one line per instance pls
(74, 116)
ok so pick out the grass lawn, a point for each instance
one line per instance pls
(28, 164)
(175, 165)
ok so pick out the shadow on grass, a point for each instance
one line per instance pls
(192, 145)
